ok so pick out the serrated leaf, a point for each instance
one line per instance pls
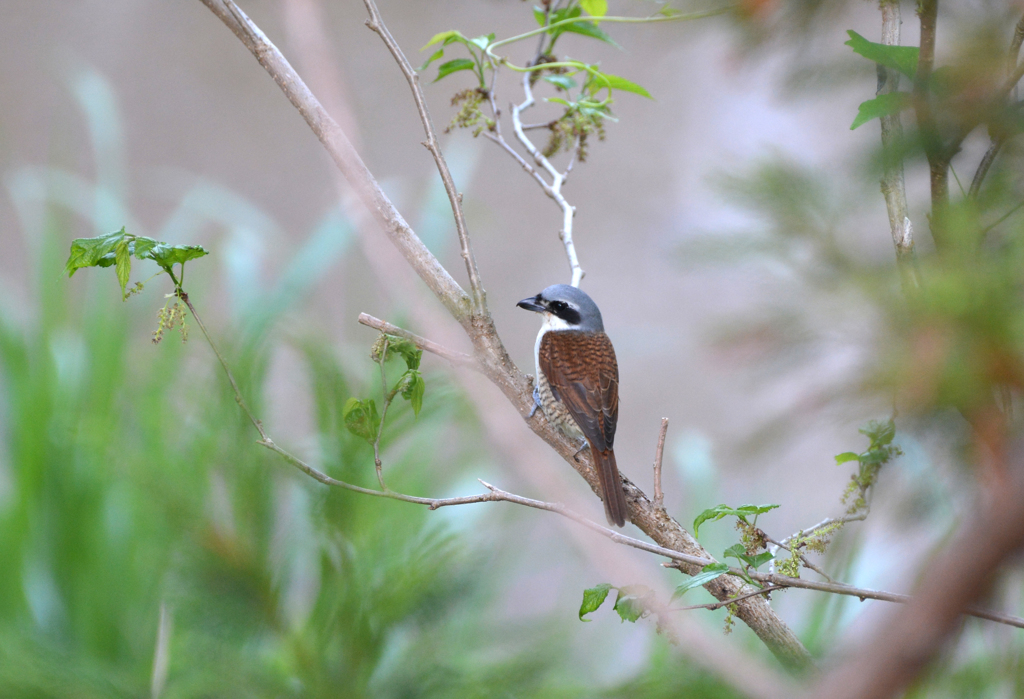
(593, 598)
(562, 81)
(901, 58)
(615, 82)
(433, 57)
(447, 37)
(846, 456)
(595, 8)
(169, 255)
(708, 573)
(87, 252)
(123, 260)
(361, 418)
(883, 105)
(719, 511)
(454, 66)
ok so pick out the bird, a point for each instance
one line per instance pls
(577, 385)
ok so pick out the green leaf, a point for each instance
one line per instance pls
(361, 418)
(614, 82)
(901, 58)
(595, 8)
(433, 57)
(719, 511)
(454, 66)
(846, 456)
(880, 433)
(593, 598)
(446, 37)
(587, 28)
(708, 573)
(123, 259)
(414, 389)
(875, 456)
(760, 559)
(168, 255)
(562, 81)
(739, 552)
(631, 601)
(88, 252)
(538, 14)
(584, 26)
(883, 105)
(406, 349)
(559, 100)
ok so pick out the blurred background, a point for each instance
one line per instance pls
(731, 230)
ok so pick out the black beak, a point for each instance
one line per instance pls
(531, 304)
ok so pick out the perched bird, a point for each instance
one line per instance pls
(578, 381)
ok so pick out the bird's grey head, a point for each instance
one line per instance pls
(569, 304)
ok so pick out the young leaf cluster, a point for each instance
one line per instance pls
(631, 603)
(880, 451)
(360, 415)
(117, 249)
(477, 48)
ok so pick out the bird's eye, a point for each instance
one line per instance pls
(557, 305)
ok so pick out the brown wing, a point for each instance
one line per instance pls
(583, 374)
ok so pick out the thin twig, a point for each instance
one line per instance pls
(496, 494)
(494, 360)
(984, 166)
(334, 140)
(659, 494)
(804, 561)
(455, 358)
(553, 190)
(388, 398)
(711, 606)
(376, 23)
(223, 363)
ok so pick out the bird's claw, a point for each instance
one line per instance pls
(536, 402)
(584, 444)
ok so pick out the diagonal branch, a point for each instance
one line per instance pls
(376, 23)
(494, 360)
(433, 274)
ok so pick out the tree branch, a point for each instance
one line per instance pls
(493, 358)
(433, 274)
(455, 358)
(376, 23)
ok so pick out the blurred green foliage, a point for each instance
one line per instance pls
(148, 547)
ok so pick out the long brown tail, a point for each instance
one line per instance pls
(611, 487)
